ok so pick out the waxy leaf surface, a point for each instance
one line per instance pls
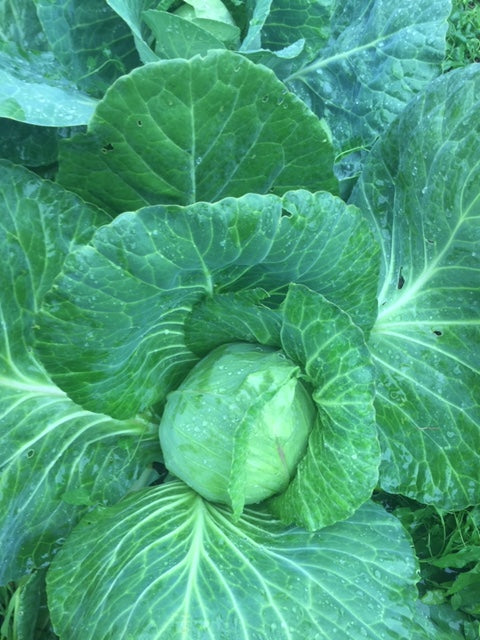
(421, 190)
(164, 563)
(112, 330)
(181, 131)
(57, 459)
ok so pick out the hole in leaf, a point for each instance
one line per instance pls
(140, 123)
(108, 147)
(437, 332)
(401, 279)
(30, 453)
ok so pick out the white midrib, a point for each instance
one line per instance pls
(342, 55)
(193, 162)
(31, 387)
(193, 561)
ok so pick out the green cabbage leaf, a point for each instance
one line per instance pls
(425, 340)
(165, 562)
(58, 459)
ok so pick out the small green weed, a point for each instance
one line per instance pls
(463, 36)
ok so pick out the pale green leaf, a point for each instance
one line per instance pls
(259, 12)
(209, 10)
(131, 12)
(163, 563)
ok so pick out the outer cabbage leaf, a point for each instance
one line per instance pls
(326, 246)
(19, 23)
(340, 468)
(257, 13)
(291, 20)
(91, 42)
(193, 130)
(28, 144)
(112, 330)
(33, 90)
(131, 12)
(57, 462)
(164, 563)
(179, 38)
(57, 459)
(421, 192)
(40, 223)
(380, 54)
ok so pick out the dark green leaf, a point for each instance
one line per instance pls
(25, 616)
(325, 245)
(74, 453)
(232, 317)
(28, 144)
(50, 447)
(91, 42)
(19, 24)
(193, 130)
(420, 191)
(40, 223)
(381, 53)
(120, 306)
(465, 590)
(112, 332)
(340, 468)
(291, 20)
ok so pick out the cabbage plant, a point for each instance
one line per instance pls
(246, 305)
